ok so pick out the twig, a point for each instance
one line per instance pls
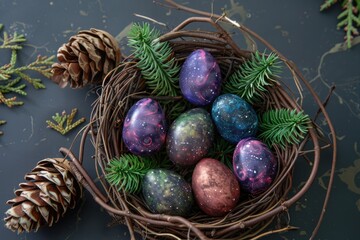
(150, 19)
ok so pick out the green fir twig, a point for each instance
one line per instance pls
(251, 79)
(283, 127)
(126, 172)
(11, 74)
(2, 122)
(349, 18)
(223, 151)
(63, 118)
(11, 41)
(155, 60)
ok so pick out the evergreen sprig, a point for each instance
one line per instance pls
(253, 76)
(11, 74)
(349, 18)
(2, 122)
(155, 60)
(126, 172)
(67, 119)
(223, 151)
(283, 127)
(174, 109)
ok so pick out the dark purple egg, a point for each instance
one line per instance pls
(144, 130)
(200, 78)
(190, 137)
(254, 165)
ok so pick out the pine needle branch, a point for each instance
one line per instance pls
(61, 119)
(250, 80)
(155, 60)
(12, 86)
(283, 127)
(126, 172)
(327, 4)
(11, 41)
(11, 74)
(2, 122)
(10, 102)
(223, 151)
(349, 18)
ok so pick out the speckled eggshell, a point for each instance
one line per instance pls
(254, 165)
(190, 137)
(200, 78)
(234, 118)
(216, 189)
(144, 130)
(167, 192)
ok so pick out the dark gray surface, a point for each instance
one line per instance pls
(297, 29)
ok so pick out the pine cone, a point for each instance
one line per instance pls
(51, 189)
(86, 58)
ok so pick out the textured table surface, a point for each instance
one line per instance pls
(295, 28)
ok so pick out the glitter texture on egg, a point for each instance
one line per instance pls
(144, 130)
(254, 165)
(234, 118)
(166, 192)
(200, 78)
(190, 137)
(215, 187)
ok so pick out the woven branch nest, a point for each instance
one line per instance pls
(253, 215)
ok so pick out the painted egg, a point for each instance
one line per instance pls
(215, 187)
(144, 130)
(254, 165)
(190, 137)
(234, 118)
(200, 78)
(167, 192)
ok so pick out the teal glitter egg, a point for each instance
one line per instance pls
(234, 118)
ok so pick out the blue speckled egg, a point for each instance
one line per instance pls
(167, 192)
(190, 137)
(234, 118)
(200, 78)
(144, 130)
(254, 165)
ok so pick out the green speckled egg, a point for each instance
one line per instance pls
(190, 137)
(167, 192)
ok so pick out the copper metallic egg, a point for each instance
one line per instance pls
(215, 187)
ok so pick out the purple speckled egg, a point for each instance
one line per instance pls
(144, 130)
(254, 165)
(200, 78)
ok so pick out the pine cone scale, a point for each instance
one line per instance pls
(50, 191)
(92, 52)
(30, 210)
(33, 196)
(86, 59)
(64, 55)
